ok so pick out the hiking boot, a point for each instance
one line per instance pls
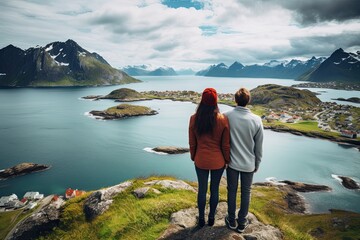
(241, 227)
(230, 223)
(211, 221)
(201, 222)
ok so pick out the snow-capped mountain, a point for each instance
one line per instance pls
(272, 69)
(57, 64)
(340, 66)
(149, 70)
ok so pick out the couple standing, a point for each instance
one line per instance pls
(231, 141)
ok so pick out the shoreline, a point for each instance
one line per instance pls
(349, 142)
(226, 99)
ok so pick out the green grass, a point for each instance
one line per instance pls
(147, 218)
(127, 218)
(9, 219)
(304, 127)
(268, 205)
(128, 109)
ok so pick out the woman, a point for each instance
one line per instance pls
(209, 140)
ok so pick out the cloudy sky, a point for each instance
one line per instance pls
(186, 33)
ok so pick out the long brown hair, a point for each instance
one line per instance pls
(205, 118)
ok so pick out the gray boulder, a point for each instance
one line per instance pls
(173, 184)
(98, 202)
(142, 192)
(183, 222)
(37, 224)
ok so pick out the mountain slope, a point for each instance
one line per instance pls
(57, 64)
(341, 66)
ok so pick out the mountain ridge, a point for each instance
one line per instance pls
(148, 70)
(341, 66)
(57, 64)
(272, 69)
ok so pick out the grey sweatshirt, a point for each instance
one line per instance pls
(246, 139)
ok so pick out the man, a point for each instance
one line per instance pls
(246, 139)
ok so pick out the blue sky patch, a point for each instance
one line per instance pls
(183, 3)
(208, 30)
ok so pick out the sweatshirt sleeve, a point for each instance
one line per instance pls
(258, 139)
(192, 140)
(225, 141)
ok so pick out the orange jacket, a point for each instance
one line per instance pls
(210, 151)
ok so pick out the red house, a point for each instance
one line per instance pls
(71, 193)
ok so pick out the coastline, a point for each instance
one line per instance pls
(227, 99)
(318, 135)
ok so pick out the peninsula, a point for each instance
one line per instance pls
(352, 99)
(22, 169)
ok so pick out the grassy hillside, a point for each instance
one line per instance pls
(132, 218)
(276, 96)
(124, 93)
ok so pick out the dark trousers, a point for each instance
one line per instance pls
(232, 183)
(215, 177)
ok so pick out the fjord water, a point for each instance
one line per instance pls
(49, 126)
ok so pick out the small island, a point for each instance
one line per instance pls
(22, 169)
(171, 150)
(123, 111)
(352, 99)
(349, 183)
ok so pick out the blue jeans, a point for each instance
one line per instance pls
(215, 177)
(232, 183)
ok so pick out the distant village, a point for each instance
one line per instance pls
(30, 200)
(331, 117)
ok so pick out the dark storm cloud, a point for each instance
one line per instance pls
(310, 12)
(322, 45)
(166, 46)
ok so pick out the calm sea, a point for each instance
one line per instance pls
(50, 126)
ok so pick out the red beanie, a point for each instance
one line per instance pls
(209, 97)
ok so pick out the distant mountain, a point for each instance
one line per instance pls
(341, 66)
(57, 64)
(273, 69)
(187, 71)
(217, 70)
(204, 71)
(148, 70)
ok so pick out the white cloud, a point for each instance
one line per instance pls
(130, 32)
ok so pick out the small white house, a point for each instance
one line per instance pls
(33, 195)
(348, 133)
(4, 201)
